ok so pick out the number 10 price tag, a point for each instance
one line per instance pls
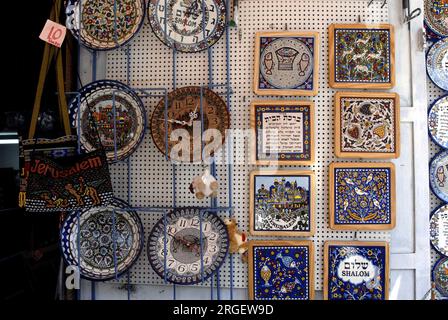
(53, 33)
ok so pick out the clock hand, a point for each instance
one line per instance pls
(193, 115)
(175, 121)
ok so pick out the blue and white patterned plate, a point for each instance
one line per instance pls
(438, 230)
(440, 276)
(438, 122)
(104, 242)
(100, 97)
(438, 175)
(437, 64)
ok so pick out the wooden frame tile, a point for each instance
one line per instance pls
(334, 83)
(310, 246)
(287, 92)
(311, 202)
(392, 196)
(362, 244)
(279, 103)
(338, 125)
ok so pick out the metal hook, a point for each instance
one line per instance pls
(414, 14)
(286, 26)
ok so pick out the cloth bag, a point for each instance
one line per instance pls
(55, 177)
(54, 148)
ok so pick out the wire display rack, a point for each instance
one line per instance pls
(126, 165)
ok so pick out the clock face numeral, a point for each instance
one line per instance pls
(182, 223)
(195, 223)
(213, 248)
(171, 263)
(206, 227)
(212, 237)
(195, 267)
(207, 260)
(188, 21)
(183, 249)
(181, 268)
(171, 230)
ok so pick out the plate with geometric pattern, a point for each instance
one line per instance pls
(104, 242)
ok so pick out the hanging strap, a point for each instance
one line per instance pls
(49, 53)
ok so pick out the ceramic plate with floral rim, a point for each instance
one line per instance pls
(111, 104)
(105, 24)
(439, 230)
(105, 242)
(440, 276)
(438, 122)
(188, 25)
(436, 16)
(438, 175)
(437, 64)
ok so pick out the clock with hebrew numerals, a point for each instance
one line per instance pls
(188, 25)
(186, 123)
(186, 247)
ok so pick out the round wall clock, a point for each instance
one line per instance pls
(439, 230)
(179, 252)
(436, 16)
(188, 25)
(184, 112)
(105, 24)
(440, 276)
(438, 175)
(438, 122)
(105, 242)
(437, 64)
(97, 101)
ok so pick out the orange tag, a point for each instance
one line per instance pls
(53, 33)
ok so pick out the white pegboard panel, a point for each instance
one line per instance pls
(152, 66)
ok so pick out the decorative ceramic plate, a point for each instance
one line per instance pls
(180, 24)
(436, 16)
(100, 97)
(438, 122)
(439, 230)
(110, 240)
(437, 64)
(105, 24)
(186, 249)
(440, 276)
(438, 175)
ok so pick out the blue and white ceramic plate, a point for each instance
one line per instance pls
(104, 24)
(436, 16)
(188, 25)
(438, 122)
(440, 276)
(187, 246)
(437, 64)
(104, 101)
(438, 175)
(104, 242)
(438, 228)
